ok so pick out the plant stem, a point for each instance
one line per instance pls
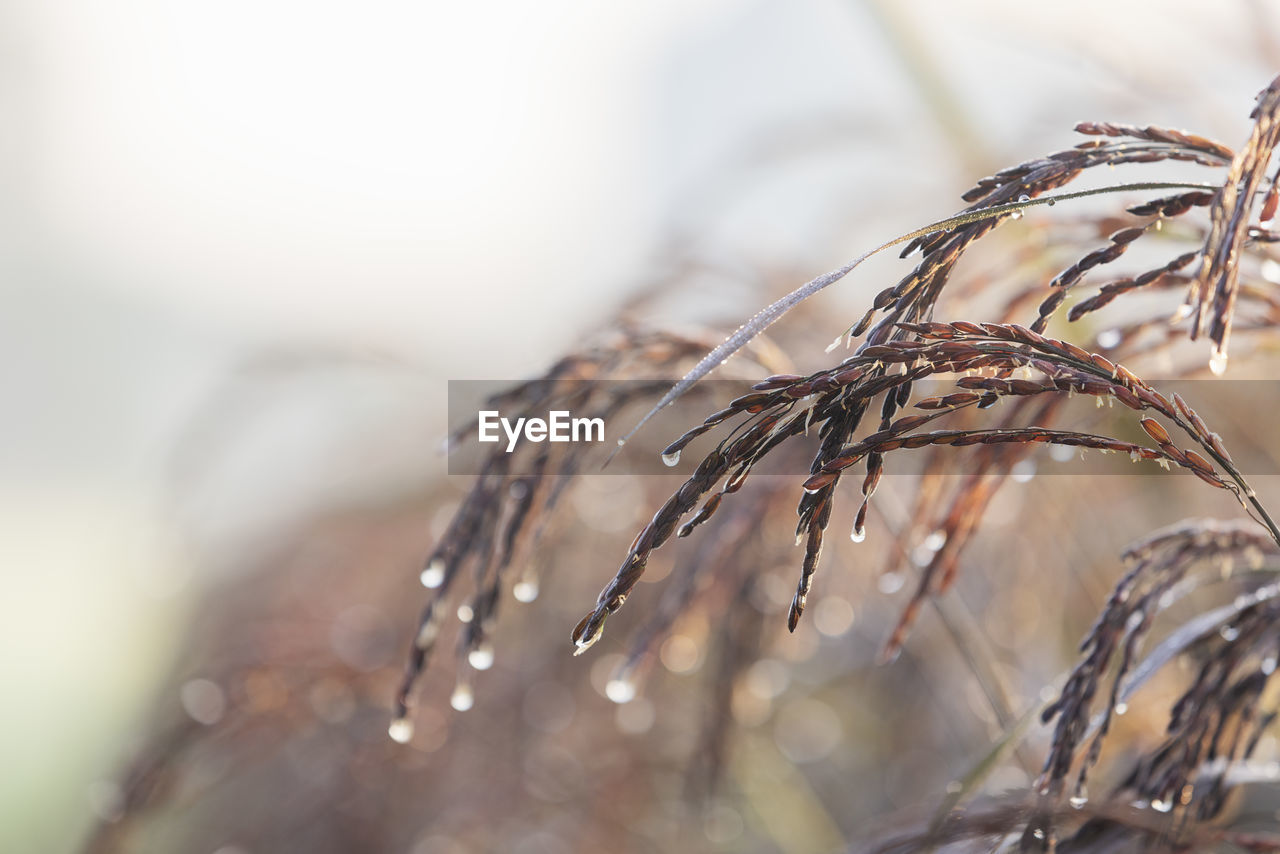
(766, 317)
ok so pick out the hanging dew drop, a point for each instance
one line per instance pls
(462, 698)
(525, 590)
(858, 534)
(672, 458)
(433, 576)
(890, 582)
(465, 614)
(1160, 805)
(481, 658)
(427, 633)
(1121, 708)
(583, 641)
(1078, 800)
(401, 730)
(1018, 214)
(1218, 361)
(1270, 271)
(620, 690)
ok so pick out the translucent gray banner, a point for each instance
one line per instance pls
(581, 421)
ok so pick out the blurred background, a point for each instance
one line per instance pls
(245, 245)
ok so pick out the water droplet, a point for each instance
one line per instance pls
(891, 582)
(1134, 621)
(1023, 471)
(1218, 361)
(1078, 800)
(858, 534)
(935, 541)
(1061, 453)
(922, 555)
(620, 690)
(481, 658)
(465, 614)
(462, 698)
(672, 458)
(433, 576)
(1160, 805)
(427, 633)
(1268, 665)
(525, 590)
(401, 730)
(1018, 214)
(1108, 338)
(621, 442)
(834, 344)
(584, 641)
(204, 701)
(1270, 271)
(1229, 633)
(1038, 833)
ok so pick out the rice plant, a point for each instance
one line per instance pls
(1005, 388)
(955, 380)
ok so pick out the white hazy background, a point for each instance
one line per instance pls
(243, 245)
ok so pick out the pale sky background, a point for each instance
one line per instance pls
(361, 201)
